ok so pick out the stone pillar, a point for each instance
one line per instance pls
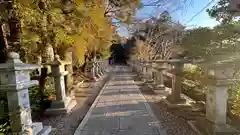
(15, 81)
(93, 71)
(142, 68)
(90, 71)
(149, 72)
(133, 65)
(100, 63)
(137, 66)
(102, 67)
(97, 68)
(175, 95)
(144, 72)
(159, 67)
(69, 68)
(39, 62)
(217, 94)
(63, 104)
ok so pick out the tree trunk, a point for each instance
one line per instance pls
(15, 32)
(3, 45)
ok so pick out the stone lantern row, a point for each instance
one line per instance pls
(15, 81)
(218, 78)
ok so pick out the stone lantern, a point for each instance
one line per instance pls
(219, 77)
(15, 81)
(158, 67)
(178, 66)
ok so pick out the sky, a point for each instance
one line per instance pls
(190, 9)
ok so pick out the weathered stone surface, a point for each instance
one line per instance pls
(120, 111)
(63, 103)
(15, 81)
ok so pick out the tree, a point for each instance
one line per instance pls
(221, 12)
(220, 42)
(122, 10)
(61, 24)
(157, 37)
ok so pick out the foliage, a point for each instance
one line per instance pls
(206, 42)
(193, 86)
(122, 10)
(4, 120)
(221, 12)
(63, 24)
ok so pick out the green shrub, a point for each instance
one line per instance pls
(194, 87)
(192, 82)
(234, 100)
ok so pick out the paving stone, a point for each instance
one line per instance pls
(109, 132)
(149, 131)
(90, 132)
(100, 123)
(121, 110)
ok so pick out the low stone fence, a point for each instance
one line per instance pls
(216, 78)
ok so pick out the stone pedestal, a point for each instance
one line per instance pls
(149, 73)
(138, 66)
(144, 72)
(15, 81)
(175, 95)
(103, 66)
(159, 66)
(100, 68)
(69, 68)
(97, 67)
(63, 103)
(175, 98)
(90, 71)
(218, 80)
(133, 62)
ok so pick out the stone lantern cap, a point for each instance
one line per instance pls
(15, 64)
(174, 61)
(220, 72)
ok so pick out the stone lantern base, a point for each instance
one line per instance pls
(183, 102)
(204, 127)
(39, 129)
(61, 107)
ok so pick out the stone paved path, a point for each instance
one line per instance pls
(120, 109)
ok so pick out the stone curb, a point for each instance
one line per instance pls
(86, 117)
